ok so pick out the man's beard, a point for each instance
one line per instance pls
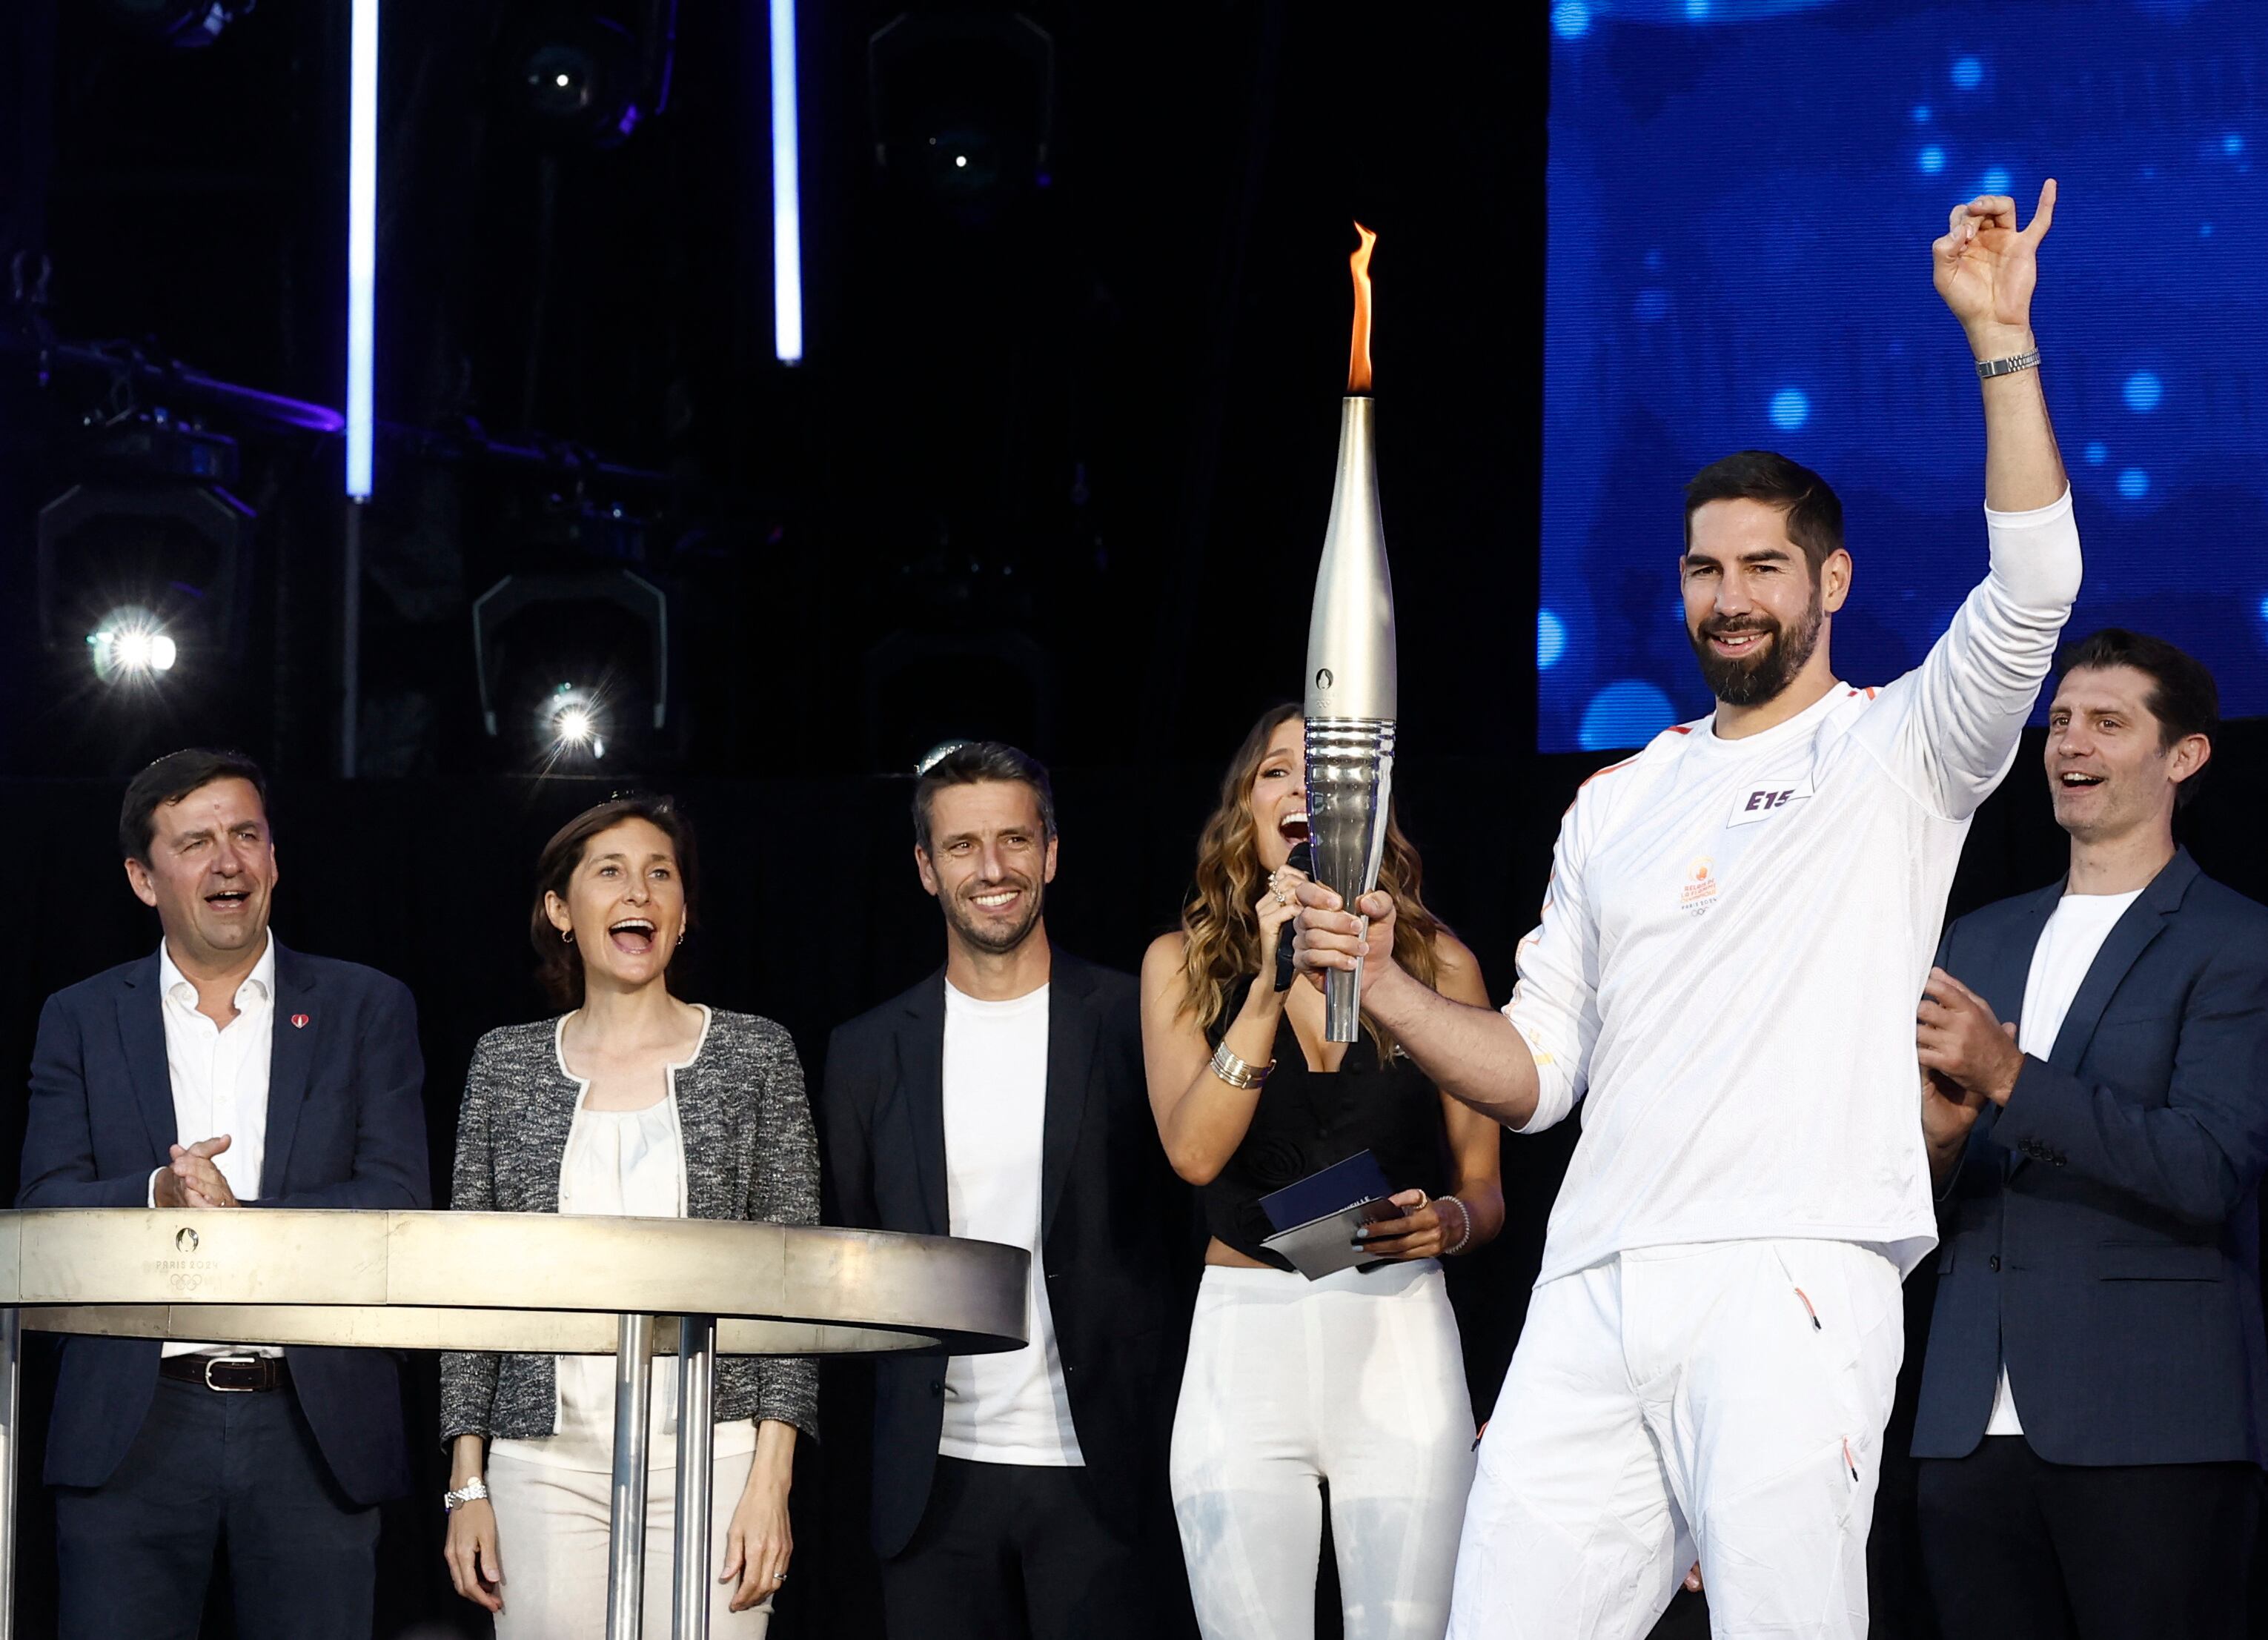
(989, 936)
(1753, 679)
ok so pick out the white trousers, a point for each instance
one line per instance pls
(1358, 1381)
(1727, 1397)
(551, 1535)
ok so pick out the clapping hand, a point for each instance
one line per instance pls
(190, 1178)
(1970, 1054)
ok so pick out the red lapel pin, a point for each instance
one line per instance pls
(299, 1021)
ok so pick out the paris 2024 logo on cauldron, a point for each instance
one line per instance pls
(186, 1275)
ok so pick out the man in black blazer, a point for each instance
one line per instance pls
(2093, 1407)
(1019, 1494)
(221, 1071)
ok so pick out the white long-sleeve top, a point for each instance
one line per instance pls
(1737, 932)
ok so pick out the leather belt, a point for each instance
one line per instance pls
(228, 1374)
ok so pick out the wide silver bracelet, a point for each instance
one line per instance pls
(457, 1497)
(1239, 1073)
(1986, 369)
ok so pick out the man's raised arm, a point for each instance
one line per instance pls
(1972, 694)
(1985, 268)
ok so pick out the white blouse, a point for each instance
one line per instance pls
(625, 1164)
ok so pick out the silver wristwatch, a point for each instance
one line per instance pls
(468, 1492)
(1987, 368)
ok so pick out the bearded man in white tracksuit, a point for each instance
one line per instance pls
(1739, 923)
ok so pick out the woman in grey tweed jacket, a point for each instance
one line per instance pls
(731, 1097)
(749, 1154)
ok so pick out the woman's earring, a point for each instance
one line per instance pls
(566, 935)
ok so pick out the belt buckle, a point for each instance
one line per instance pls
(230, 1389)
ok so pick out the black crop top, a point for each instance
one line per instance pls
(1307, 1120)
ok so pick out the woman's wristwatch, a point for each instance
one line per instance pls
(470, 1492)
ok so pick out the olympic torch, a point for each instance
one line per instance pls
(1350, 668)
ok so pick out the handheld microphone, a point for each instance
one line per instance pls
(1302, 860)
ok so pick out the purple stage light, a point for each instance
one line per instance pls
(361, 244)
(787, 201)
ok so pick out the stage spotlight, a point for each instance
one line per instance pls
(139, 571)
(963, 106)
(188, 22)
(606, 633)
(580, 79)
(573, 722)
(131, 645)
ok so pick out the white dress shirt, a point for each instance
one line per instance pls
(219, 1078)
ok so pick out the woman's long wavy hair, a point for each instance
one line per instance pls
(1222, 929)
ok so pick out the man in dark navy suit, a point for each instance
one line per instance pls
(1022, 1494)
(221, 1071)
(2094, 1410)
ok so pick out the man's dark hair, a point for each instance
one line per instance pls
(559, 965)
(974, 763)
(2182, 696)
(1814, 513)
(170, 779)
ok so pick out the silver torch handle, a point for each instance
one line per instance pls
(1350, 784)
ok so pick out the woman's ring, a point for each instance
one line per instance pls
(1276, 888)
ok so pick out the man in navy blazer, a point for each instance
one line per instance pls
(1019, 1494)
(2094, 1409)
(221, 1071)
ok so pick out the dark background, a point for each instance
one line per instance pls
(1055, 468)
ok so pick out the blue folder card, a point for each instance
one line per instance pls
(1316, 1218)
(1339, 1187)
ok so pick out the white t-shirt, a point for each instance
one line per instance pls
(1736, 933)
(1010, 1408)
(2068, 948)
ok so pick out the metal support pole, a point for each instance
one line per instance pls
(626, 1541)
(351, 643)
(12, 1411)
(696, 1437)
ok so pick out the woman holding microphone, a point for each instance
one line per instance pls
(636, 1103)
(1356, 1380)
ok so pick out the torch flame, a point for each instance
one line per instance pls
(1359, 359)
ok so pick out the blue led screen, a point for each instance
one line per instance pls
(1742, 198)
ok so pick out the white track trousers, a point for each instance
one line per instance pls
(1357, 1380)
(1725, 1396)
